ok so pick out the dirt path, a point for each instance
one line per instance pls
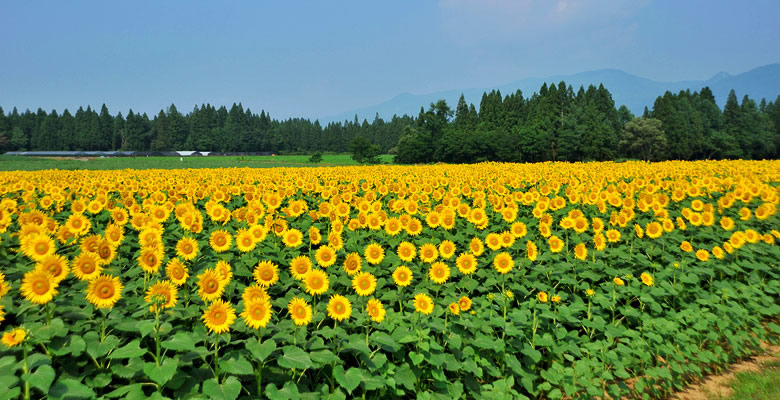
(715, 386)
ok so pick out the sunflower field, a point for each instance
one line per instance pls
(517, 281)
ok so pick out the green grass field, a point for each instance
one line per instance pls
(21, 163)
(761, 385)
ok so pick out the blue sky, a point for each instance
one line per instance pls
(318, 58)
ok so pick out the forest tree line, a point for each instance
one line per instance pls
(554, 124)
(557, 124)
(205, 128)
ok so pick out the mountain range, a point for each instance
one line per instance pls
(633, 91)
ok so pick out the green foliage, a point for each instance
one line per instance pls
(316, 158)
(21, 163)
(644, 138)
(363, 151)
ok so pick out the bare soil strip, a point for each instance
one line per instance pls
(715, 386)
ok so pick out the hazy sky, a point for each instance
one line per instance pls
(317, 58)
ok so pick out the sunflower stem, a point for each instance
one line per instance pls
(216, 357)
(157, 336)
(259, 368)
(102, 326)
(26, 372)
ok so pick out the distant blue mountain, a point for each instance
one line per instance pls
(633, 91)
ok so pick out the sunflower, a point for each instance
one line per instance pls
(737, 239)
(245, 242)
(413, 227)
(503, 262)
(702, 255)
(325, 256)
(299, 266)
(618, 281)
(150, 259)
(423, 303)
(581, 251)
(680, 223)
(686, 246)
(402, 276)
(432, 219)
(597, 224)
(580, 224)
(374, 253)
(225, 272)
(105, 251)
(555, 243)
(493, 241)
(335, 241)
(654, 230)
(446, 249)
(316, 282)
(300, 311)
(90, 243)
(599, 241)
(119, 215)
(393, 226)
(339, 307)
(466, 263)
(38, 286)
(751, 236)
(352, 263)
(406, 251)
(428, 253)
(507, 239)
(160, 214)
(253, 293)
(4, 287)
(210, 287)
(56, 265)
(86, 266)
(292, 238)
(531, 250)
(364, 284)
(464, 303)
(555, 299)
(376, 311)
(439, 272)
(542, 296)
(38, 246)
(257, 314)
(259, 232)
(176, 271)
(266, 273)
(219, 316)
(150, 237)
(613, 235)
(64, 235)
(78, 224)
(104, 291)
(162, 295)
(454, 308)
(220, 240)
(2, 314)
(187, 248)
(646, 278)
(717, 251)
(476, 246)
(14, 337)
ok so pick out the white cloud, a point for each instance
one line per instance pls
(472, 22)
